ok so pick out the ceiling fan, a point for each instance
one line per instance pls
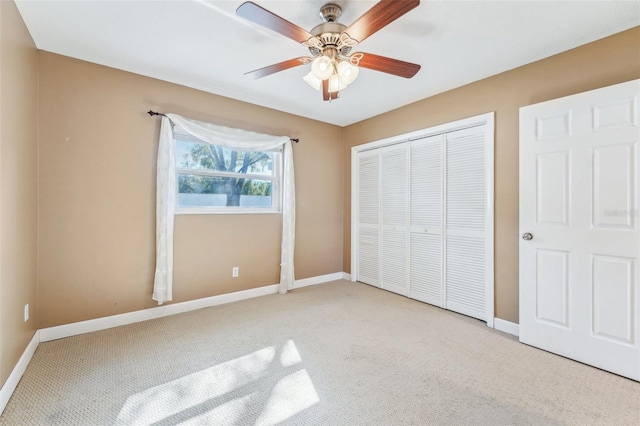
(333, 66)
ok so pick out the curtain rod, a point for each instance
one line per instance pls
(152, 113)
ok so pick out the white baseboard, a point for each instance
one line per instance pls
(506, 326)
(81, 327)
(346, 276)
(73, 329)
(17, 372)
(317, 280)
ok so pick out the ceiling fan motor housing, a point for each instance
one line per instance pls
(329, 31)
(329, 34)
(330, 12)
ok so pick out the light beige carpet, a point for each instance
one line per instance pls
(333, 354)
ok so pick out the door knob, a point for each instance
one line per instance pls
(527, 236)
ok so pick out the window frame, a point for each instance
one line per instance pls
(275, 178)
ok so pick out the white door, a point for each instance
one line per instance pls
(580, 246)
(394, 168)
(425, 238)
(368, 217)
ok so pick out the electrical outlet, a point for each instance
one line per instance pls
(235, 272)
(26, 312)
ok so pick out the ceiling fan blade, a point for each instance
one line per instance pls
(388, 65)
(325, 90)
(378, 17)
(262, 16)
(326, 95)
(281, 66)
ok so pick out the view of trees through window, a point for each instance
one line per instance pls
(223, 173)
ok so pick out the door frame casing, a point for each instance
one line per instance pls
(488, 120)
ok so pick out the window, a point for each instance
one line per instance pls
(215, 179)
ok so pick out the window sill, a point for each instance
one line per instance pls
(184, 211)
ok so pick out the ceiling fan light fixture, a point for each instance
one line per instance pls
(347, 72)
(312, 80)
(322, 67)
(333, 66)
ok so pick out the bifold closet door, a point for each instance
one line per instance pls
(394, 167)
(368, 217)
(425, 237)
(465, 216)
(423, 216)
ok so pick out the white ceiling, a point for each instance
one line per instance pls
(204, 45)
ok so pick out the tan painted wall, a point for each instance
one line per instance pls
(18, 190)
(97, 196)
(602, 63)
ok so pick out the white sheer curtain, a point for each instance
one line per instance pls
(237, 139)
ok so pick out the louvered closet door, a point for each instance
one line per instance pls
(394, 168)
(466, 262)
(425, 238)
(368, 217)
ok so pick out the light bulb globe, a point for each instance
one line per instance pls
(312, 80)
(322, 67)
(336, 84)
(348, 73)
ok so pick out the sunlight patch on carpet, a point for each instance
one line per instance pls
(224, 391)
(224, 414)
(289, 355)
(291, 395)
